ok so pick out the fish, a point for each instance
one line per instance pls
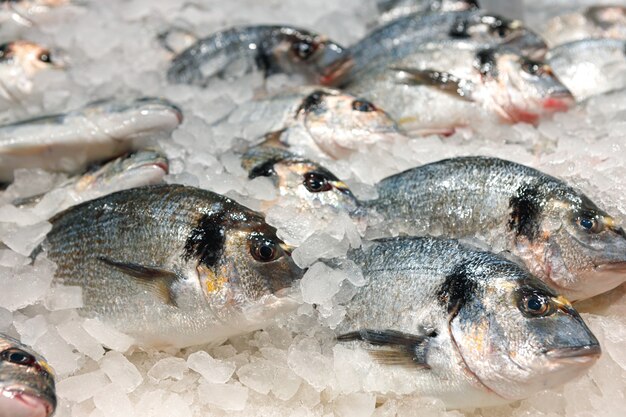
(144, 167)
(556, 231)
(469, 327)
(101, 130)
(301, 179)
(466, 30)
(390, 10)
(24, 11)
(317, 121)
(171, 265)
(26, 381)
(442, 89)
(268, 49)
(590, 67)
(20, 62)
(599, 21)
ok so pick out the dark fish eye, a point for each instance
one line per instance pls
(363, 106)
(589, 224)
(536, 305)
(18, 357)
(45, 57)
(316, 182)
(303, 49)
(264, 250)
(502, 31)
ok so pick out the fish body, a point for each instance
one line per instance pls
(172, 265)
(20, 61)
(471, 30)
(601, 21)
(68, 142)
(26, 381)
(394, 9)
(559, 233)
(442, 88)
(590, 67)
(320, 121)
(231, 53)
(444, 320)
(23, 11)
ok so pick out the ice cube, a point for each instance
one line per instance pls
(112, 400)
(81, 387)
(64, 297)
(57, 352)
(72, 332)
(31, 329)
(107, 335)
(121, 371)
(320, 283)
(230, 397)
(355, 405)
(168, 368)
(25, 285)
(213, 370)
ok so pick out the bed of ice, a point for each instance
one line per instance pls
(292, 368)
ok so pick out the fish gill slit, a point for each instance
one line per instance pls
(206, 240)
(525, 209)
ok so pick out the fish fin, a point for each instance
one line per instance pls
(273, 139)
(155, 280)
(401, 348)
(442, 81)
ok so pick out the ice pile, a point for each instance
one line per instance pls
(292, 368)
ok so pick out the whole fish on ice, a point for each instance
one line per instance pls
(440, 319)
(600, 21)
(68, 142)
(26, 381)
(172, 265)
(231, 53)
(318, 121)
(558, 232)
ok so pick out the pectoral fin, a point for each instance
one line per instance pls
(154, 280)
(399, 348)
(442, 81)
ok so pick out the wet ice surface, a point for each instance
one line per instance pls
(293, 367)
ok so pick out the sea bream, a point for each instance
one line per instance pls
(439, 89)
(394, 9)
(601, 21)
(233, 52)
(69, 142)
(26, 381)
(440, 319)
(590, 67)
(316, 121)
(172, 265)
(24, 11)
(559, 233)
(20, 61)
(468, 30)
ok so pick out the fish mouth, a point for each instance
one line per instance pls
(336, 71)
(617, 267)
(559, 102)
(578, 354)
(37, 405)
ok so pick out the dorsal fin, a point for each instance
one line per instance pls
(441, 80)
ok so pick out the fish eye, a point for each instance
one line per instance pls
(363, 106)
(264, 250)
(501, 30)
(45, 57)
(589, 223)
(536, 69)
(536, 305)
(303, 49)
(18, 357)
(316, 182)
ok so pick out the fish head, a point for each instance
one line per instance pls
(26, 382)
(341, 124)
(521, 89)
(491, 30)
(318, 58)
(30, 56)
(515, 335)
(581, 247)
(242, 264)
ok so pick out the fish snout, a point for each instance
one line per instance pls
(559, 101)
(576, 355)
(335, 63)
(19, 403)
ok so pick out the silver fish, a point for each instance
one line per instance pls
(320, 121)
(299, 178)
(590, 66)
(194, 267)
(394, 9)
(440, 89)
(602, 21)
(100, 130)
(560, 234)
(23, 11)
(468, 327)
(26, 381)
(231, 53)
(20, 61)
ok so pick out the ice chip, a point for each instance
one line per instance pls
(355, 405)
(64, 297)
(229, 397)
(81, 387)
(108, 336)
(25, 285)
(112, 400)
(168, 368)
(23, 239)
(212, 370)
(31, 329)
(320, 283)
(121, 371)
(72, 332)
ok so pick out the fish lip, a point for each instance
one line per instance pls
(579, 354)
(336, 71)
(619, 266)
(29, 398)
